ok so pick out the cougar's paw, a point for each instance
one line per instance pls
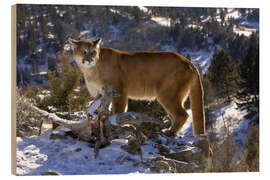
(168, 132)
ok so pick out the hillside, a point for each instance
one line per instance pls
(43, 31)
(55, 150)
(222, 42)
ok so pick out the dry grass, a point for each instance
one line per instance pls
(28, 121)
(231, 157)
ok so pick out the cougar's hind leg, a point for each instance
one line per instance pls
(175, 109)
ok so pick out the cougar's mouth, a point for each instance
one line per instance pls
(87, 60)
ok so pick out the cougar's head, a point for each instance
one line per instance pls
(86, 52)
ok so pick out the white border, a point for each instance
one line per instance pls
(264, 81)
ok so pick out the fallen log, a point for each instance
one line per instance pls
(99, 126)
(89, 125)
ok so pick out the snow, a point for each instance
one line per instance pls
(50, 24)
(247, 27)
(42, 73)
(232, 13)
(194, 26)
(168, 47)
(30, 158)
(114, 11)
(115, 31)
(52, 109)
(231, 121)
(112, 119)
(187, 128)
(39, 154)
(227, 120)
(242, 32)
(144, 9)
(83, 33)
(50, 36)
(201, 58)
(163, 21)
(207, 19)
(252, 25)
(36, 155)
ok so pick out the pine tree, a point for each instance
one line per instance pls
(63, 82)
(249, 84)
(223, 75)
(51, 64)
(60, 32)
(43, 56)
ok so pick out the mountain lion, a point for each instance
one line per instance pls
(166, 76)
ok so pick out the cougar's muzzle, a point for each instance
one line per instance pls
(87, 60)
(89, 57)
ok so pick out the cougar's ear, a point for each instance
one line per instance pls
(97, 42)
(73, 42)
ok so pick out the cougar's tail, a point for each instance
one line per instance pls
(197, 105)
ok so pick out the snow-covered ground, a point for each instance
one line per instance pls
(247, 27)
(163, 21)
(230, 120)
(36, 155)
(201, 58)
(144, 9)
(39, 154)
(227, 120)
(243, 31)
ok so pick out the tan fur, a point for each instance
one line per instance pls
(167, 76)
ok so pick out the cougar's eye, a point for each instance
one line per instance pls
(93, 53)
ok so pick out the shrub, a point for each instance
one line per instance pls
(62, 84)
(152, 108)
(252, 154)
(230, 157)
(28, 120)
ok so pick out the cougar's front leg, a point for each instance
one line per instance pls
(119, 104)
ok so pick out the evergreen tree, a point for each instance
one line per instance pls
(60, 32)
(249, 84)
(26, 75)
(63, 82)
(51, 64)
(223, 75)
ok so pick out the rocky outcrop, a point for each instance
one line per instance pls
(144, 143)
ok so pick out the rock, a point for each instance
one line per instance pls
(50, 172)
(165, 165)
(162, 149)
(130, 132)
(71, 134)
(55, 135)
(186, 156)
(124, 158)
(204, 145)
(196, 152)
(147, 124)
(99, 144)
(78, 150)
(133, 147)
(161, 166)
